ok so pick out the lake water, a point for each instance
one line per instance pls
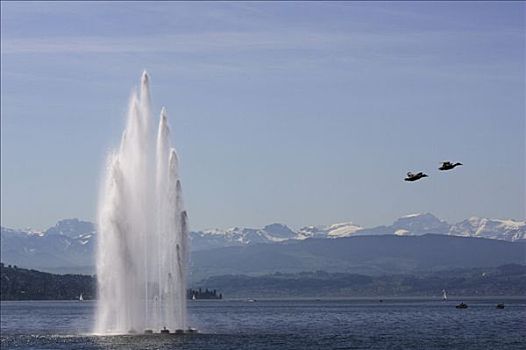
(283, 324)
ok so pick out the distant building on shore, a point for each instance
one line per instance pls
(200, 294)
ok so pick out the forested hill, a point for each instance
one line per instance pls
(505, 280)
(22, 284)
(365, 255)
(508, 280)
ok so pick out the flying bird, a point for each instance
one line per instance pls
(448, 166)
(414, 177)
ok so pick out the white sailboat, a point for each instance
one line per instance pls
(81, 298)
(444, 295)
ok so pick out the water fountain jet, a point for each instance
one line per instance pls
(142, 225)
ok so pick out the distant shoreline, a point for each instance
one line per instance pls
(385, 299)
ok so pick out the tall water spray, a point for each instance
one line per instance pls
(142, 225)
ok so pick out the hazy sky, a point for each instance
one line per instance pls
(301, 113)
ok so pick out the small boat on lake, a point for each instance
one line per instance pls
(444, 295)
(81, 298)
(462, 306)
(500, 306)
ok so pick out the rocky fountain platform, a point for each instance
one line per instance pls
(166, 331)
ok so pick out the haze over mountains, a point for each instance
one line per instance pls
(69, 246)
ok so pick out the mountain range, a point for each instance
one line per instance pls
(69, 246)
(409, 225)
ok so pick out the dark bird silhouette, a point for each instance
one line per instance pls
(414, 177)
(448, 166)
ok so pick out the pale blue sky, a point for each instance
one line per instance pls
(301, 113)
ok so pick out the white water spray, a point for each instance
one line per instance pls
(142, 225)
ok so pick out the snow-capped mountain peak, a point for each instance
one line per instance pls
(212, 238)
(415, 215)
(420, 224)
(72, 228)
(344, 229)
(402, 232)
(510, 230)
(278, 232)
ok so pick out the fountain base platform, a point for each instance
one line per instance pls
(166, 331)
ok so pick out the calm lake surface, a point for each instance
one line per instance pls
(283, 324)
